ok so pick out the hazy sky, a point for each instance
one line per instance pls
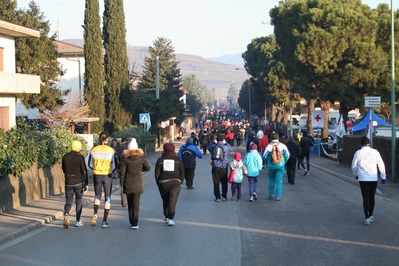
(207, 28)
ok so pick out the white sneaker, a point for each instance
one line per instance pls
(371, 219)
(166, 220)
(251, 198)
(255, 196)
(135, 227)
(79, 224)
(367, 221)
(171, 222)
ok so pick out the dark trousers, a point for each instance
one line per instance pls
(76, 190)
(368, 189)
(291, 167)
(123, 198)
(204, 147)
(133, 207)
(302, 156)
(219, 176)
(189, 176)
(102, 182)
(236, 190)
(169, 193)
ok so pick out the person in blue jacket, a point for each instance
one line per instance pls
(276, 171)
(188, 153)
(254, 163)
(219, 167)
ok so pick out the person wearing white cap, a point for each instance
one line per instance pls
(132, 166)
(76, 181)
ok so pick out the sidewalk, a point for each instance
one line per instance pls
(17, 222)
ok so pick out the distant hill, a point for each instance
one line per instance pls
(218, 73)
(232, 59)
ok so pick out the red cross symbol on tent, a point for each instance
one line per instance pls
(317, 117)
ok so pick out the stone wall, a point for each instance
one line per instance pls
(31, 185)
(350, 144)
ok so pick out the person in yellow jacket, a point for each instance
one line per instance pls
(102, 161)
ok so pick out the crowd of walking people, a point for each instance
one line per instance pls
(217, 135)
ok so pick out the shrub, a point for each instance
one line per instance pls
(24, 145)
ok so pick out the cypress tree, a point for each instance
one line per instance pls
(94, 76)
(115, 65)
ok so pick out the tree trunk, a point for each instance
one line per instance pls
(310, 111)
(326, 109)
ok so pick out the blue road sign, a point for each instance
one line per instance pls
(145, 118)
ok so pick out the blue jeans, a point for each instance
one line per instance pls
(253, 184)
(276, 182)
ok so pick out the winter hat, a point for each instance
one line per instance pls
(254, 146)
(220, 138)
(132, 144)
(168, 150)
(365, 141)
(260, 134)
(76, 145)
(237, 156)
(189, 140)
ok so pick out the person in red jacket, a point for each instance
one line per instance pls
(229, 138)
(263, 141)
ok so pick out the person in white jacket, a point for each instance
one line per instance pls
(365, 166)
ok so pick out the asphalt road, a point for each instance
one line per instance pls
(317, 222)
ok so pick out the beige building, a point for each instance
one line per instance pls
(10, 82)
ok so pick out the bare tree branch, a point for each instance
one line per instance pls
(66, 115)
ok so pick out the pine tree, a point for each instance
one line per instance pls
(35, 56)
(94, 75)
(169, 104)
(115, 66)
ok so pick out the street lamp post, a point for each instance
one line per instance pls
(249, 99)
(291, 134)
(393, 90)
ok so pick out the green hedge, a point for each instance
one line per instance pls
(24, 145)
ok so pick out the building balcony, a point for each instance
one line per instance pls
(11, 83)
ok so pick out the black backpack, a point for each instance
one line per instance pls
(188, 157)
(218, 152)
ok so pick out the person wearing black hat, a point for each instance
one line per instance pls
(219, 167)
(205, 139)
(195, 139)
(366, 164)
(306, 145)
(169, 176)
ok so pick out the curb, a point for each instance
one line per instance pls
(344, 177)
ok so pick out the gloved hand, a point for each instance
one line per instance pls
(383, 181)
